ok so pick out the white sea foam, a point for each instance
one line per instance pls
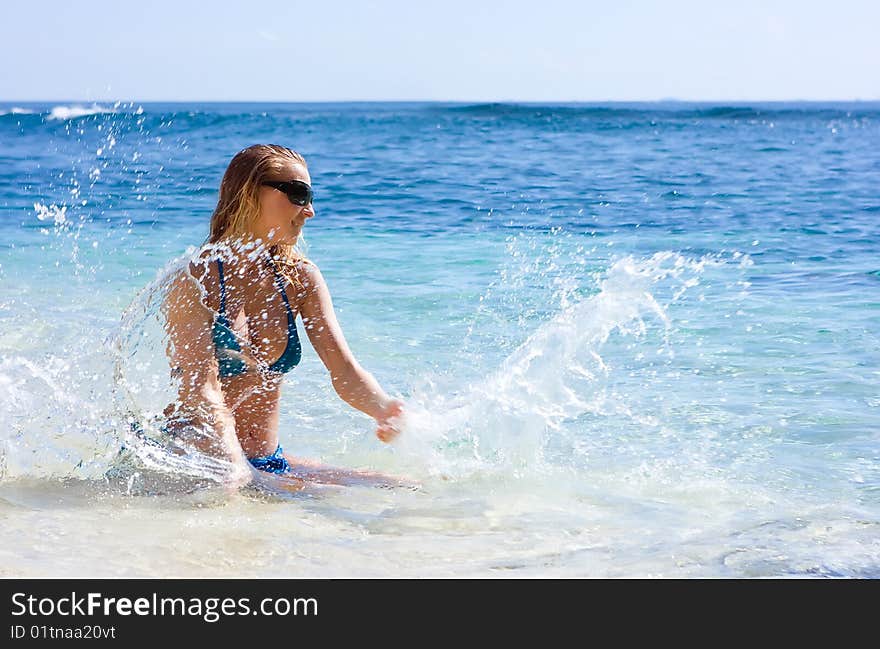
(71, 112)
(15, 110)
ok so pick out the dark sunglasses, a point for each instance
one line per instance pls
(297, 191)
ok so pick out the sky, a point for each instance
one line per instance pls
(455, 50)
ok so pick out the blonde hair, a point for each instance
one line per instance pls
(239, 202)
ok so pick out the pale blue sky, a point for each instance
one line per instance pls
(455, 50)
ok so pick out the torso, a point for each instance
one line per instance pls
(253, 396)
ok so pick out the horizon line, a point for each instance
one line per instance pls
(665, 100)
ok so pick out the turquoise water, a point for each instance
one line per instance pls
(634, 339)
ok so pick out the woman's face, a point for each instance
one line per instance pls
(280, 221)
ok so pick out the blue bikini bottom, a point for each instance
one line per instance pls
(275, 463)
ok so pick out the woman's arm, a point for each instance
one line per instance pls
(352, 382)
(200, 405)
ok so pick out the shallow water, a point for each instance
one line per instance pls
(635, 340)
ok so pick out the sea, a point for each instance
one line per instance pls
(633, 340)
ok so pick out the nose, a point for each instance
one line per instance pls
(309, 211)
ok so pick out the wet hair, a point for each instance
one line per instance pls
(239, 202)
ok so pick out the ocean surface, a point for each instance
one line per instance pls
(634, 340)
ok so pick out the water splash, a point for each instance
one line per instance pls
(555, 375)
(58, 214)
(501, 421)
(54, 422)
(144, 387)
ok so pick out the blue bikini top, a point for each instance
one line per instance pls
(225, 339)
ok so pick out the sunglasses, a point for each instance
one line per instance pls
(298, 192)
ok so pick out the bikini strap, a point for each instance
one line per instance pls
(280, 284)
(222, 287)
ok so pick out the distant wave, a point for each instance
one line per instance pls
(15, 110)
(63, 112)
(129, 116)
(71, 112)
(496, 108)
(610, 115)
(666, 109)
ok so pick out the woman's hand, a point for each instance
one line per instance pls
(388, 423)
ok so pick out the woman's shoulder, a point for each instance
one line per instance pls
(305, 266)
(310, 273)
(208, 254)
(300, 267)
(195, 276)
(304, 276)
(184, 292)
(188, 268)
(199, 267)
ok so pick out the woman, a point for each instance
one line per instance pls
(230, 319)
